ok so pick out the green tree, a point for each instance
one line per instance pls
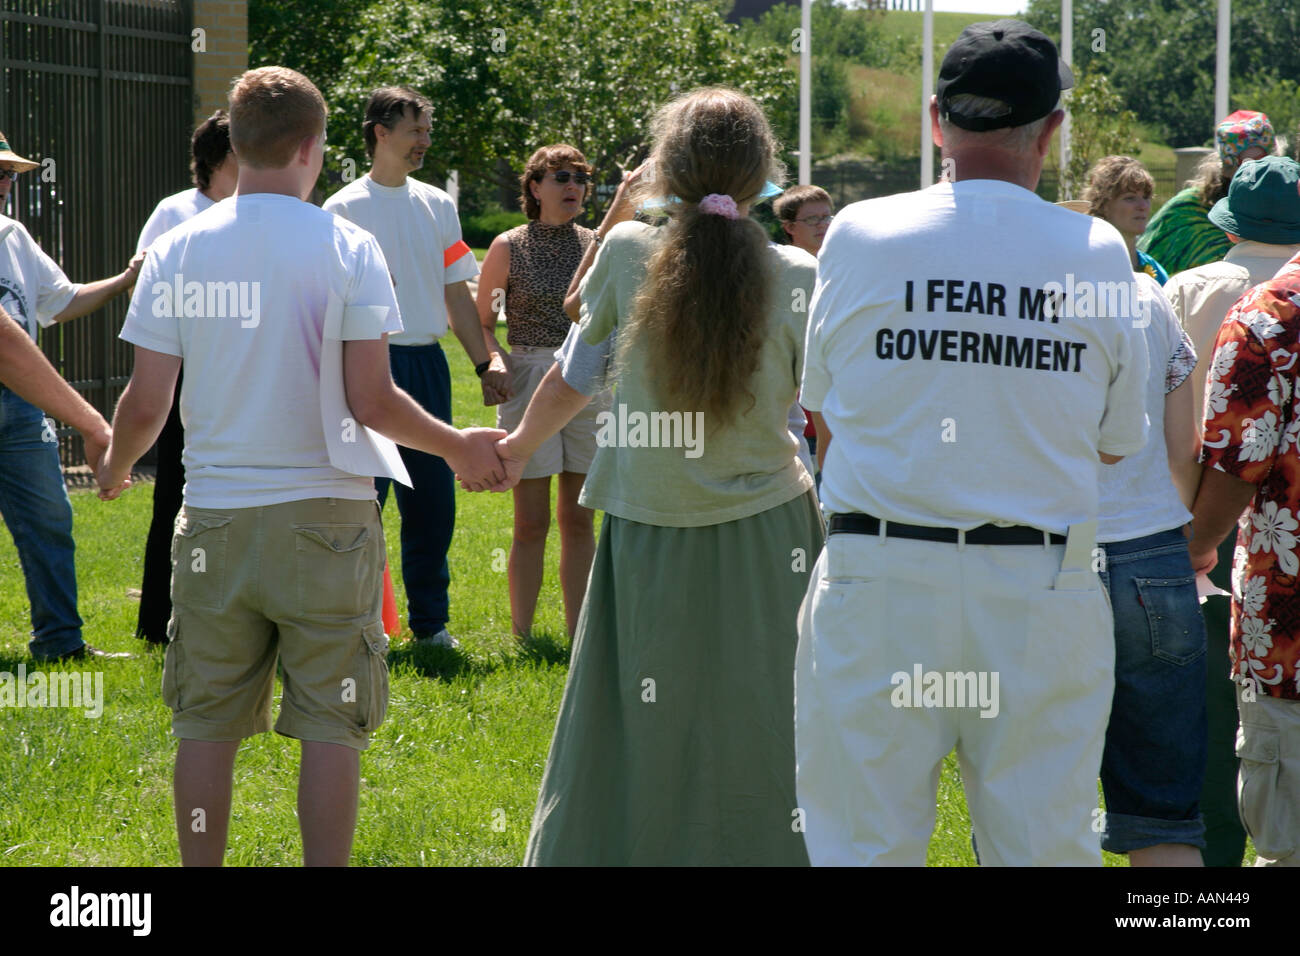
(830, 105)
(1279, 98)
(507, 76)
(1159, 55)
(1099, 126)
(856, 35)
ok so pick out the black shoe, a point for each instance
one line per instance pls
(86, 651)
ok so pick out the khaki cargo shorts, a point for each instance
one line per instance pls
(300, 581)
(1268, 783)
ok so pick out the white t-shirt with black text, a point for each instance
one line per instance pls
(419, 230)
(33, 289)
(241, 294)
(954, 397)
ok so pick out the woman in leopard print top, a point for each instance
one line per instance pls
(528, 270)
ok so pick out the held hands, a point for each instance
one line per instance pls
(111, 485)
(511, 460)
(1204, 560)
(475, 464)
(496, 381)
(133, 267)
(1204, 554)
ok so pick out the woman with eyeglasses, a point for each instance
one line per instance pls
(526, 273)
(675, 739)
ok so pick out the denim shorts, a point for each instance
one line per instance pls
(1154, 762)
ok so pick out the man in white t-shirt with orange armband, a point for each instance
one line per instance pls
(968, 393)
(281, 313)
(419, 230)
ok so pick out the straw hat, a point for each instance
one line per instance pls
(7, 155)
(1076, 205)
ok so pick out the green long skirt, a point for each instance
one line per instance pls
(675, 739)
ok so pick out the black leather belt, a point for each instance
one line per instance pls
(984, 534)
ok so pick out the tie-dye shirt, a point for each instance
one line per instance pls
(1180, 236)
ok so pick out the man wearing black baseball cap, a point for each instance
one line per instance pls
(970, 391)
(1006, 60)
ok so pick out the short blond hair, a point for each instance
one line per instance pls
(272, 110)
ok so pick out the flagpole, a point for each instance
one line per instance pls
(805, 96)
(927, 91)
(1221, 62)
(1064, 190)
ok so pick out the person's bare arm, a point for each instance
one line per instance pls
(1219, 503)
(491, 300)
(378, 403)
(26, 372)
(620, 210)
(140, 416)
(823, 438)
(552, 406)
(1109, 459)
(1183, 442)
(94, 294)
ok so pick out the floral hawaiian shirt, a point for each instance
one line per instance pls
(1252, 431)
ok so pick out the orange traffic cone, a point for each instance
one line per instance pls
(392, 623)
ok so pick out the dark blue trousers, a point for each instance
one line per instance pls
(428, 509)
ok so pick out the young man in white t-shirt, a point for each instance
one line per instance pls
(281, 313)
(956, 602)
(215, 172)
(33, 500)
(419, 230)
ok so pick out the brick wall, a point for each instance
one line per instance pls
(225, 35)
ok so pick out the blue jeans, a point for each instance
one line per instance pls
(1154, 762)
(35, 506)
(428, 509)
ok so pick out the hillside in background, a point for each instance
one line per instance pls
(867, 98)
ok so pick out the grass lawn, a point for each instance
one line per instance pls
(947, 27)
(450, 778)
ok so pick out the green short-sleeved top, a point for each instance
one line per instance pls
(669, 467)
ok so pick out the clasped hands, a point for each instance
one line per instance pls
(488, 461)
(97, 444)
(496, 381)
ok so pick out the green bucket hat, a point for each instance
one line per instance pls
(1263, 202)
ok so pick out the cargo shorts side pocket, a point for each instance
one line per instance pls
(372, 690)
(199, 560)
(1265, 806)
(1173, 618)
(335, 563)
(173, 665)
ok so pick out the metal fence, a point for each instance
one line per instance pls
(99, 92)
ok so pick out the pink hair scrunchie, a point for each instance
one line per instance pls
(719, 204)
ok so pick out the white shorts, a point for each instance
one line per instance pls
(908, 649)
(573, 447)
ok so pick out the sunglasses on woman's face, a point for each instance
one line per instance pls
(8, 174)
(562, 176)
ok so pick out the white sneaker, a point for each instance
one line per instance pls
(441, 639)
